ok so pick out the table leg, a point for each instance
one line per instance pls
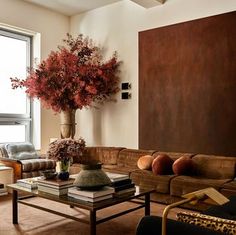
(92, 222)
(147, 204)
(14, 207)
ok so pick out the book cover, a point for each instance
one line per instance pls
(121, 182)
(128, 194)
(30, 183)
(56, 182)
(56, 187)
(114, 177)
(92, 194)
(89, 199)
(129, 190)
(123, 187)
(57, 192)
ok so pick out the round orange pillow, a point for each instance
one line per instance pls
(162, 165)
(183, 166)
(145, 162)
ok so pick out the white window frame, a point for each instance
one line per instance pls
(20, 119)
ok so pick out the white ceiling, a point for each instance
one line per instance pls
(72, 7)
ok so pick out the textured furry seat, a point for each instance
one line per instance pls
(151, 225)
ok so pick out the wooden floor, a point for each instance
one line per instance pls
(37, 222)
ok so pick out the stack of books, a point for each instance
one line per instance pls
(122, 184)
(30, 183)
(55, 186)
(3, 191)
(104, 193)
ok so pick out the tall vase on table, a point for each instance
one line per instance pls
(67, 122)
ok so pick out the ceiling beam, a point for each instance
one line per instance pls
(149, 3)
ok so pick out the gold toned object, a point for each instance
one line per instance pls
(194, 197)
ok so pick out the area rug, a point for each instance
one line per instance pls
(36, 222)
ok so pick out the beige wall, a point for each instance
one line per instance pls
(116, 27)
(53, 28)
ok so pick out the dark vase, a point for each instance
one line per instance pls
(63, 175)
(91, 177)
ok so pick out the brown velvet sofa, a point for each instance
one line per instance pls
(211, 171)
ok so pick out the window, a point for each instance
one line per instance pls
(15, 107)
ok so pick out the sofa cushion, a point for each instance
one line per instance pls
(26, 155)
(230, 185)
(75, 168)
(183, 166)
(229, 189)
(37, 164)
(162, 165)
(215, 167)
(214, 223)
(129, 157)
(117, 169)
(186, 184)
(21, 151)
(146, 178)
(145, 162)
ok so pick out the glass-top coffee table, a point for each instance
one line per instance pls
(141, 198)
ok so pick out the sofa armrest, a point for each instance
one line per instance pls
(3, 160)
(15, 164)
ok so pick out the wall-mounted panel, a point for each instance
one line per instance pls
(187, 86)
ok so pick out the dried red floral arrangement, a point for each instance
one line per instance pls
(73, 77)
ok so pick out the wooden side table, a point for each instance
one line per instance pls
(6, 176)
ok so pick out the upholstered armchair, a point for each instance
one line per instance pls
(24, 160)
(218, 219)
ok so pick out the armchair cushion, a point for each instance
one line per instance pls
(21, 151)
(214, 223)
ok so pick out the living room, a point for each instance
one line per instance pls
(115, 27)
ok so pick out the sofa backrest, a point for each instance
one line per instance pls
(129, 157)
(215, 167)
(106, 155)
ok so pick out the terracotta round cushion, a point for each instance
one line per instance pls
(162, 165)
(183, 166)
(145, 162)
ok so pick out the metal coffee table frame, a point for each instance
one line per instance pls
(91, 207)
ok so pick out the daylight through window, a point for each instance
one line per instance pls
(15, 108)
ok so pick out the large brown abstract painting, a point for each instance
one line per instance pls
(187, 86)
